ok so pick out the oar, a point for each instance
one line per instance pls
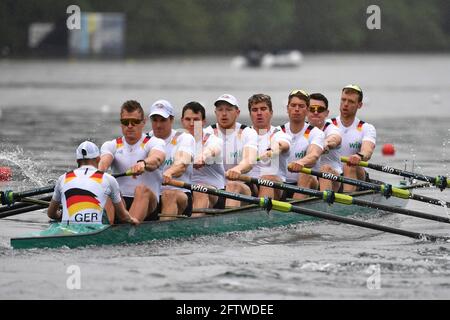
(21, 205)
(269, 204)
(14, 212)
(123, 174)
(36, 201)
(439, 181)
(331, 196)
(8, 197)
(386, 189)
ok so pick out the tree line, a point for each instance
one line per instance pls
(177, 27)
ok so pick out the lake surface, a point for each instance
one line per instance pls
(48, 107)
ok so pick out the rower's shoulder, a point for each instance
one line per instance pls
(364, 125)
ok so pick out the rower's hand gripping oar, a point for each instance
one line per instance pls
(331, 197)
(287, 207)
(385, 189)
(441, 182)
(124, 174)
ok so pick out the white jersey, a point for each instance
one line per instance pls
(178, 141)
(126, 155)
(83, 193)
(300, 143)
(354, 135)
(213, 172)
(277, 165)
(234, 142)
(332, 157)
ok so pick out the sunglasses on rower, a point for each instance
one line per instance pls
(133, 122)
(317, 108)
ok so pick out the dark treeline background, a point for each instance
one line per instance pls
(176, 27)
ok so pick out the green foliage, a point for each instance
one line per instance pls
(157, 27)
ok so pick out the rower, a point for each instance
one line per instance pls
(307, 143)
(240, 145)
(358, 137)
(208, 164)
(273, 145)
(87, 194)
(329, 161)
(143, 154)
(179, 148)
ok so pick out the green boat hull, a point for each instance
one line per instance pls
(241, 219)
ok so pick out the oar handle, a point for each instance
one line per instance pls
(245, 178)
(177, 183)
(123, 174)
(361, 163)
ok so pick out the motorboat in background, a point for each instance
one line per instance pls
(259, 59)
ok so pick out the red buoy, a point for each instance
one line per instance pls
(5, 173)
(388, 149)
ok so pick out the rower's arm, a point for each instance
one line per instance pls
(333, 141)
(181, 161)
(53, 210)
(312, 155)
(105, 162)
(123, 213)
(367, 149)
(249, 155)
(211, 152)
(154, 160)
(283, 146)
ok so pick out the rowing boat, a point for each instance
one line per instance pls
(244, 218)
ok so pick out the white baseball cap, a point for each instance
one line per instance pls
(87, 150)
(227, 98)
(162, 108)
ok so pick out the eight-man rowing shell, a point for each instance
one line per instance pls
(216, 221)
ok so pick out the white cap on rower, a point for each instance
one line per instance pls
(227, 98)
(87, 150)
(162, 108)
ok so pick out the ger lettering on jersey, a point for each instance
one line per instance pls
(83, 196)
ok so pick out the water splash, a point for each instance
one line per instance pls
(24, 168)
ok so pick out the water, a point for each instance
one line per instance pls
(48, 107)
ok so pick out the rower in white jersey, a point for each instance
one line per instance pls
(208, 164)
(329, 161)
(240, 145)
(358, 137)
(273, 145)
(140, 153)
(307, 143)
(87, 194)
(179, 148)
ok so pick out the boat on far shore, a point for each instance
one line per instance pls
(276, 59)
